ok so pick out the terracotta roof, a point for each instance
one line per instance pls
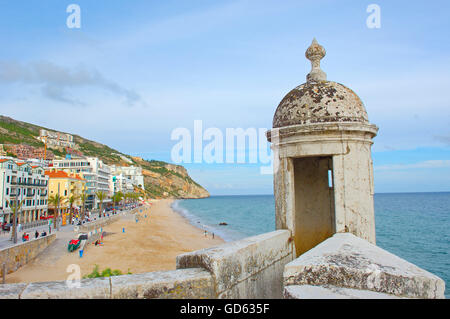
(57, 174)
(79, 177)
(62, 174)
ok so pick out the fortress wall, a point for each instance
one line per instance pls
(343, 266)
(175, 284)
(20, 254)
(248, 268)
(346, 266)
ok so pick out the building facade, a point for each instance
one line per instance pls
(96, 173)
(65, 185)
(128, 175)
(121, 183)
(26, 152)
(23, 182)
(56, 139)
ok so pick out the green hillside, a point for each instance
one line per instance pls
(161, 179)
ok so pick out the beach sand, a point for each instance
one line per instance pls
(152, 244)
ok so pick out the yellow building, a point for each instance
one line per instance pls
(66, 185)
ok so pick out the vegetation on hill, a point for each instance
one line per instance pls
(161, 179)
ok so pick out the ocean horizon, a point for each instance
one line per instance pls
(414, 226)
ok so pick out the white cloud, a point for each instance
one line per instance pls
(56, 81)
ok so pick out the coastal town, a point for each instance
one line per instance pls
(38, 186)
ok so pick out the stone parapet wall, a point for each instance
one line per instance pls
(175, 284)
(248, 268)
(19, 255)
(345, 263)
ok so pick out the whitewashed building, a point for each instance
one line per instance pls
(96, 173)
(128, 175)
(57, 139)
(23, 182)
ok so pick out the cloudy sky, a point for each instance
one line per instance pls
(137, 70)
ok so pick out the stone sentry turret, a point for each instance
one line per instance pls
(323, 172)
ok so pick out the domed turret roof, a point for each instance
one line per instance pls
(319, 100)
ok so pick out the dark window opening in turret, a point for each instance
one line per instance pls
(314, 202)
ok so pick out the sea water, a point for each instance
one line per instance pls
(413, 226)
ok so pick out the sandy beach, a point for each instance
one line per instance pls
(152, 244)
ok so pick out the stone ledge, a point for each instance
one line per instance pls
(235, 262)
(95, 288)
(12, 291)
(331, 292)
(176, 284)
(347, 261)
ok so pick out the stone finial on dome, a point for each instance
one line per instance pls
(315, 53)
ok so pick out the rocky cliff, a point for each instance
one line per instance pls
(163, 180)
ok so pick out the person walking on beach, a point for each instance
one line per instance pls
(206, 233)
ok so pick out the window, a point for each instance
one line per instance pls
(7, 179)
(330, 178)
(7, 191)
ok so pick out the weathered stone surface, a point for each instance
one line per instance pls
(299, 205)
(20, 254)
(321, 129)
(319, 102)
(331, 292)
(248, 268)
(177, 284)
(347, 261)
(94, 288)
(11, 291)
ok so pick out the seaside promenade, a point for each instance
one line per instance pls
(5, 236)
(151, 244)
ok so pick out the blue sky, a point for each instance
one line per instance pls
(136, 70)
